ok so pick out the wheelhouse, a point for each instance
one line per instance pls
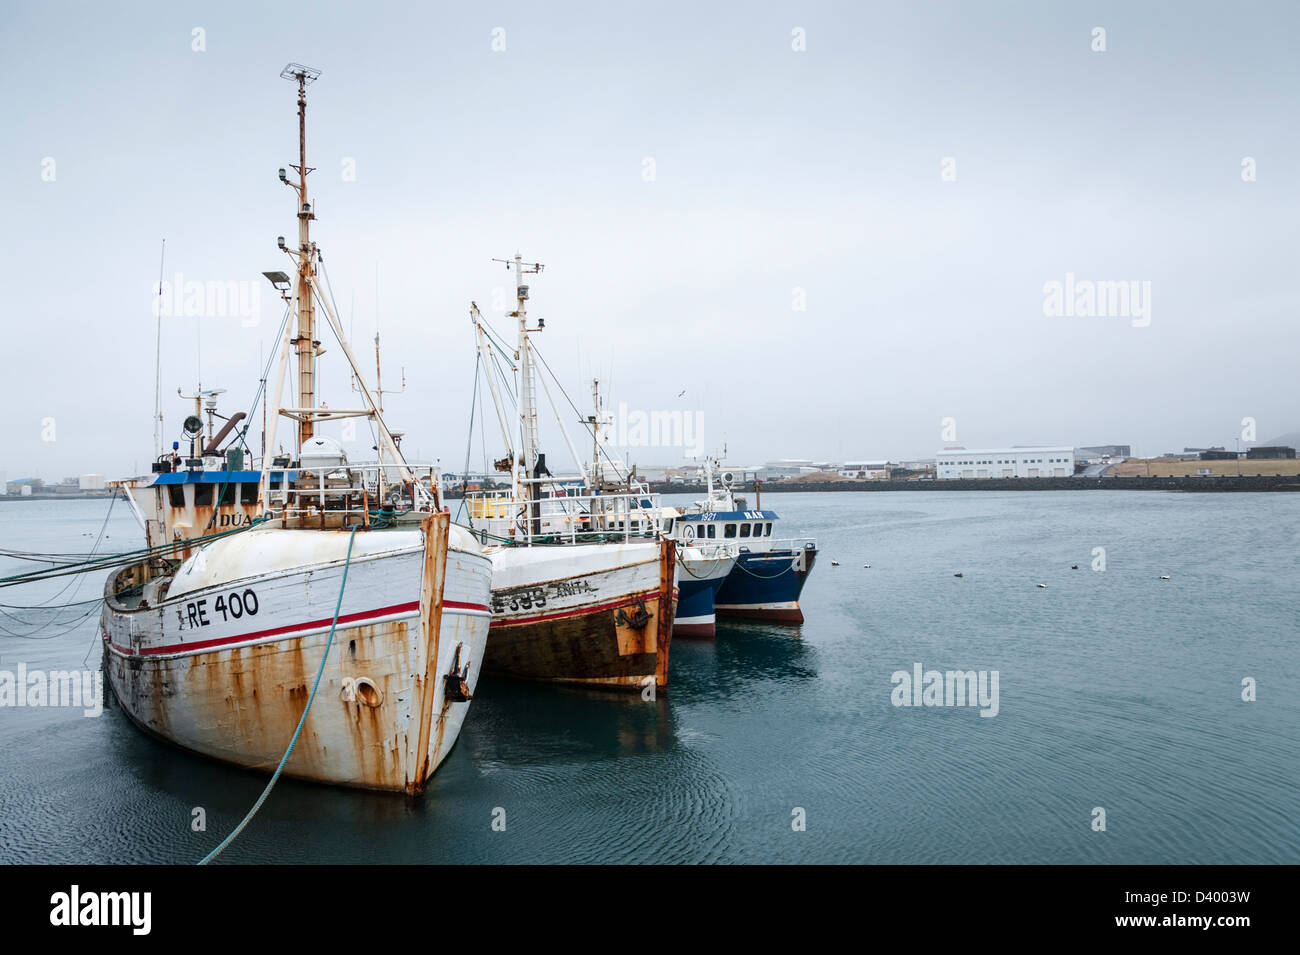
(727, 525)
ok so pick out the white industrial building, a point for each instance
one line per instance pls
(871, 470)
(954, 463)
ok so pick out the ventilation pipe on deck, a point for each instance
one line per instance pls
(225, 430)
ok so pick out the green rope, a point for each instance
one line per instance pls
(124, 558)
(275, 777)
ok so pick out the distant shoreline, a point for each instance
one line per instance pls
(1254, 482)
(1213, 485)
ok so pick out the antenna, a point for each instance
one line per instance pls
(157, 371)
(303, 75)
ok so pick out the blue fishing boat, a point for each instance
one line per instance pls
(769, 573)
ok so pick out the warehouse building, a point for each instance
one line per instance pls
(955, 463)
(1269, 451)
(870, 470)
(788, 467)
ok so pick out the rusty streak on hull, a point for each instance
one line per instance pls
(432, 581)
(619, 642)
(668, 601)
(241, 706)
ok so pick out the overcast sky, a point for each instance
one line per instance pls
(781, 177)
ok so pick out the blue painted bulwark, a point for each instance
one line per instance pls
(209, 477)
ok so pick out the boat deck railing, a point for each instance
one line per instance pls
(709, 549)
(365, 494)
(562, 518)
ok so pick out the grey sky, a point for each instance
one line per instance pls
(774, 169)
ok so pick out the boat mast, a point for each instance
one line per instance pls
(379, 397)
(597, 421)
(528, 452)
(305, 341)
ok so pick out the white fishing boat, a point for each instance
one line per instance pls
(703, 569)
(311, 585)
(584, 581)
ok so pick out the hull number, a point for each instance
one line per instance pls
(231, 606)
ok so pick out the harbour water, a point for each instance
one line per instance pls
(1117, 689)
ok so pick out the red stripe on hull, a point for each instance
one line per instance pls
(347, 618)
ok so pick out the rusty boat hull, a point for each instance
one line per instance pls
(595, 615)
(220, 657)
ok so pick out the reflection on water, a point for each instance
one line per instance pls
(518, 721)
(742, 655)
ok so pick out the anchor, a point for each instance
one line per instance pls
(455, 689)
(640, 616)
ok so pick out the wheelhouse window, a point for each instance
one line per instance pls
(768, 532)
(744, 530)
(729, 530)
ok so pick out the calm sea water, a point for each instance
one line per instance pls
(1116, 689)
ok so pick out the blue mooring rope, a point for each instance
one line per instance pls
(303, 719)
